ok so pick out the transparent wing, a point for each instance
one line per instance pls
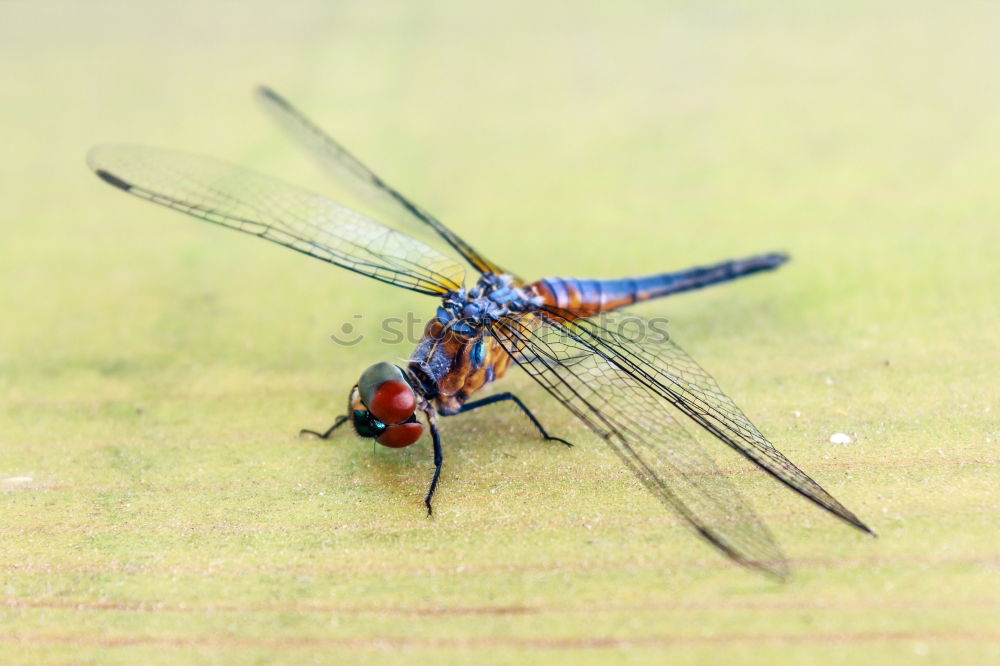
(630, 343)
(359, 178)
(637, 424)
(240, 199)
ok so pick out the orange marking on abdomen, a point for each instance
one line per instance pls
(585, 298)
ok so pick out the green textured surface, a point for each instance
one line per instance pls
(157, 504)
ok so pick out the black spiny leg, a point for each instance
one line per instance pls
(341, 420)
(501, 397)
(438, 461)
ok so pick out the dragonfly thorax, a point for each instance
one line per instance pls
(493, 297)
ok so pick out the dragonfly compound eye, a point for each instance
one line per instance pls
(393, 402)
(387, 394)
(400, 435)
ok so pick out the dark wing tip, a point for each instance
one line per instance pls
(112, 179)
(864, 528)
(104, 155)
(779, 574)
(842, 512)
(269, 95)
(774, 566)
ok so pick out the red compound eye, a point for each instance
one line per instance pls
(403, 434)
(393, 402)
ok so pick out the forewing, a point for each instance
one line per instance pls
(357, 177)
(631, 343)
(637, 424)
(246, 201)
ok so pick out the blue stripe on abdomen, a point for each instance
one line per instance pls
(592, 296)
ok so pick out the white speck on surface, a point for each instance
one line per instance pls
(841, 438)
(829, 381)
(15, 480)
(797, 414)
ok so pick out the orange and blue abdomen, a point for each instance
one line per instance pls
(584, 298)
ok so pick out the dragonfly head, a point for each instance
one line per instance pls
(383, 406)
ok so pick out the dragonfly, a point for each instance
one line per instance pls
(570, 335)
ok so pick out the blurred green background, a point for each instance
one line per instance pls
(158, 506)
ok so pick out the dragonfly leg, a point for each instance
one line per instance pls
(503, 397)
(438, 461)
(341, 420)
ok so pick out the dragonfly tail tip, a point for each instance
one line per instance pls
(779, 258)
